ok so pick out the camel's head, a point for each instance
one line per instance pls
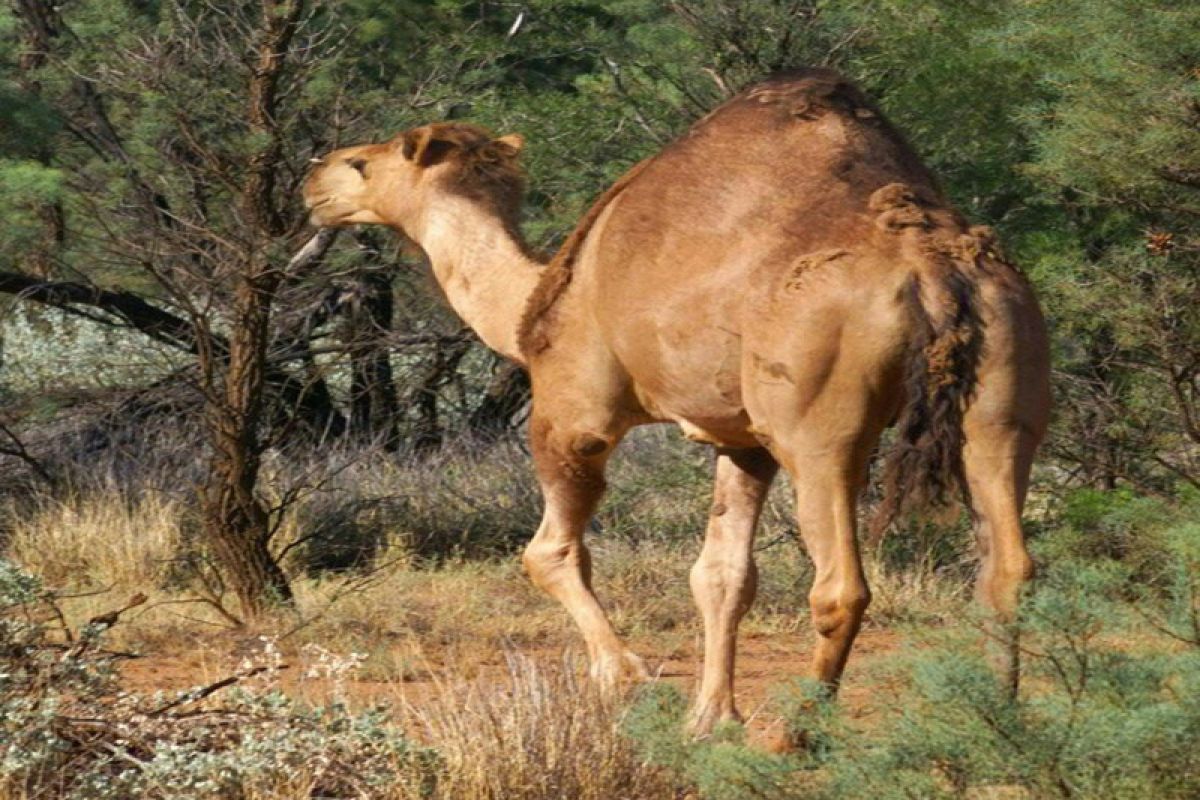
(395, 182)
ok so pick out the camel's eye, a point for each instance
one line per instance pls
(359, 164)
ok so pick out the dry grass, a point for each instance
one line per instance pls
(414, 569)
(415, 565)
(915, 594)
(538, 734)
(433, 587)
(86, 542)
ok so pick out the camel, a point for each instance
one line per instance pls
(783, 282)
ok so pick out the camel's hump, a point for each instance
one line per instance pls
(779, 102)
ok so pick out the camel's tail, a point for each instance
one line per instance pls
(924, 466)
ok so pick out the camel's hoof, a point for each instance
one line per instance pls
(609, 670)
(703, 719)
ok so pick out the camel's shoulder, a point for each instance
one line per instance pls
(533, 330)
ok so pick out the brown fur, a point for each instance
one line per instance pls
(533, 330)
(783, 281)
(482, 168)
(925, 462)
(807, 94)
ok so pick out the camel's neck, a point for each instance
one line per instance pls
(483, 268)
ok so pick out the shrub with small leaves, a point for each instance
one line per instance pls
(67, 730)
(1102, 713)
(720, 766)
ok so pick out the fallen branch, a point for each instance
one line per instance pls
(197, 695)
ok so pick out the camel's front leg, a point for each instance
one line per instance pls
(570, 466)
(724, 577)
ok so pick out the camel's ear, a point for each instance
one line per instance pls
(425, 148)
(510, 144)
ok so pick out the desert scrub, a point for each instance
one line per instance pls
(541, 733)
(68, 730)
(1101, 714)
(1109, 706)
(718, 767)
(48, 351)
(459, 502)
(88, 540)
(1105, 711)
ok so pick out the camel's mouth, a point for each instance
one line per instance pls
(318, 212)
(331, 211)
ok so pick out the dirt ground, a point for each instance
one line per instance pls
(766, 662)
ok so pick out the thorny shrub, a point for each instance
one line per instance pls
(68, 730)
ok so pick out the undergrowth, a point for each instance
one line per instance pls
(68, 729)
(1109, 705)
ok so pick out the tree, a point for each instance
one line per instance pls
(186, 179)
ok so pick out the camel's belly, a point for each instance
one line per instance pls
(736, 434)
(704, 415)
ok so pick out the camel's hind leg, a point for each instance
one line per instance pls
(1002, 428)
(724, 577)
(826, 488)
(570, 463)
(822, 423)
(997, 460)
(828, 467)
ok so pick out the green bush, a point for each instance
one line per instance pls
(1101, 715)
(1109, 705)
(721, 766)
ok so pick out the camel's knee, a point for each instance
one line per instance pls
(712, 572)
(838, 613)
(705, 580)
(545, 561)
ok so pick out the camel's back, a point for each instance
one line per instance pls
(685, 259)
(784, 170)
(789, 163)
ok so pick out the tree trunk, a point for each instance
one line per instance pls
(373, 404)
(236, 523)
(237, 528)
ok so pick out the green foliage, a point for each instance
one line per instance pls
(1096, 719)
(720, 766)
(1122, 90)
(1109, 705)
(25, 185)
(1123, 734)
(1118, 525)
(1070, 126)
